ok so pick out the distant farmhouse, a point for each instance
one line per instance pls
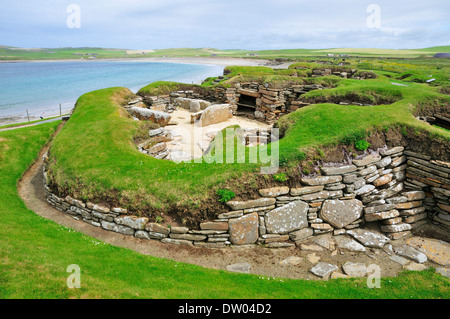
(442, 55)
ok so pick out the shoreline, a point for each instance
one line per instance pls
(220, 61)
(213, 61)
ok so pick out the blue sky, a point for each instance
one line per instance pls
(226, 24)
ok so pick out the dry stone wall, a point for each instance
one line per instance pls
(395, 189)
(269, 105)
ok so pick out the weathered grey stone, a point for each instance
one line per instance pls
(340, 213)
(397, 161)
(239, 267)
(194, 106)
(259, 209)
(370, 159)
(347, 244)
(415, 218)
(232, 214)
(335, 187)
(381, 215)
(369, 238)
(216, 113)
(322, 269)
(379, 208)
(119, 210)
(99, 208)
(301, 234)
(414, 195)
(321, 180)
(384, 162)
(236, 205)
(392, 151)
(321, 195)
(366, 171)
(285, 219)
(156, 235)
(306, 190)
(311, 247)
(244, 230)
(437, 251)
(326, 241)
(338, 170)
(395, 228)
(214, 226)
(364, 190)
(154, 227)
(180, 242)
(398, 259)
(396, 200)
(359, 183)
(350, 178)
(408, 205)
(141, 234)
(410, 253)
(156, 132)
(179, 230)
(117, 228)
(274, 191)
(355, 269)
(322, 227)
(132, 221)
(383, 180)
(161, 118)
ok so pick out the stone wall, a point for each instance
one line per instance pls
(270, 103)
(393, 189)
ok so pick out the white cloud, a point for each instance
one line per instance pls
(250, 24)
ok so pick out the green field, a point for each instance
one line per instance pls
(35, 253)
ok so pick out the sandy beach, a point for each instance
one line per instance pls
(216, 61)
(220, 61)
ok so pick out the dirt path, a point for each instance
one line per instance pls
(263, 261)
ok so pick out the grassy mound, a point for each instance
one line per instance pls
(94, 158)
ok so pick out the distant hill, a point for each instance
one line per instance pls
(13, 53)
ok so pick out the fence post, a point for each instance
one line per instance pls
(59, 109)
(28, 116)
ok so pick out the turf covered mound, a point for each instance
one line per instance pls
(94, 158)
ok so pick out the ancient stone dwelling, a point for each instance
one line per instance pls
(251, 99)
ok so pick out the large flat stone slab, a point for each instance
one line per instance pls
(437, 251)
(287, 218)
(369, 238)
(244, 230)
(410, 253)
(347, 244)
(340, 213)
(322, 269)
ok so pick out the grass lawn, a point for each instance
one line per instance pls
(93, 158)
(35, 253)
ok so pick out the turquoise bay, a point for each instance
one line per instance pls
(40, 87)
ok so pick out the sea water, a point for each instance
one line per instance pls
(40, 87)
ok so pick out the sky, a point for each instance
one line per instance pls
(225, 24)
